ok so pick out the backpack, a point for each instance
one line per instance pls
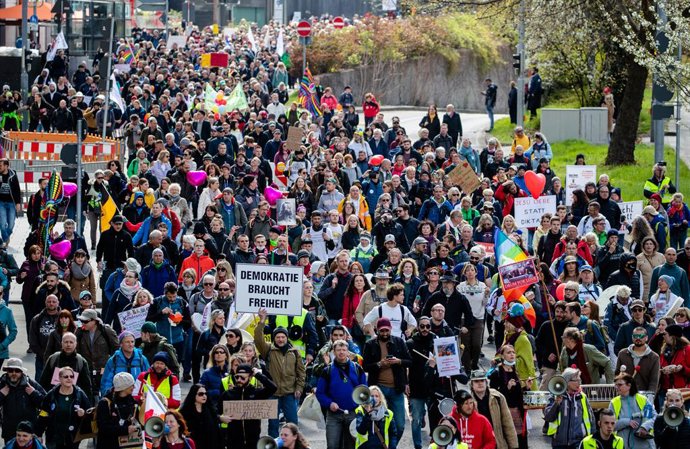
(603, 330)
(403, 321)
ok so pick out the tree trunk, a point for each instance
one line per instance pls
(622, 146)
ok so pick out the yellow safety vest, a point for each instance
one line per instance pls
(553, 426)
(284, 321)
(163, 388)
(460, 445)
(361, 439)
(650, 186)
(590, 443)
(226, 382)
(641, 400)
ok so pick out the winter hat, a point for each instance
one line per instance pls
(199, 228)
(149, 327)
(279, 330)
(160, 356)
(26, 427)
(125, 334)
(674, 330)
(122, 381)
(247, 180)
(569, 373)
(244, 368)
(132, 265)
(668, 279)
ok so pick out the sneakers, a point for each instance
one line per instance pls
(490, 339)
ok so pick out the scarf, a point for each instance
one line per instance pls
(377, 413)
(129, 291)
(579, 354)
(80, 272)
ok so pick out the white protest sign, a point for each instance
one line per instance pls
(132, 319)
(630, 210)
(180, 41)
(278, 289)
(576, 176)
(528, 211)
(447, 356)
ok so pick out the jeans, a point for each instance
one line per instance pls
(8, 213)
(288, 405)
(396, 404)
(417, 410)
(39, 364)
(188, 351)
(338, 431)
(473, 341)
(102, 280)
(490, 111)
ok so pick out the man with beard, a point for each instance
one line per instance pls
(548, 346)
(153, 343)
(492, 405)
(55, 287)
(628, 275)
(286, 369)
(68, 356)
(334, 287)
(640, 361)
(385, 227)
(374, 296)
(165, 311)
(245, 433)
(40, 329)
(624, 337)
(161, 379)
(439, 326)
(458, 309)
(241, 254)
(224, 301)
(20, 397)
(548, 241)
(418, 392)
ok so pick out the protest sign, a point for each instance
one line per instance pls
(255, 409)
(294, 138)
(132, 319)
(518, 274)
(464, 177)
(286, 215)
(576, 176)
(181, 41)
(278, 289)
(447, 356)
(630, 210)
(528, 211)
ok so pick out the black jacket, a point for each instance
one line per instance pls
(245, 433)
(424, 345)
(454, 126)
(546, 344)
(547, 246)
(382, 229)
(75, 361)
(397, 348)
(621, 277)
(114, 248)
(458, 309)
(21, 406)
(109, 411)
(47, 422)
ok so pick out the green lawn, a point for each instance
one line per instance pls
(629, 178)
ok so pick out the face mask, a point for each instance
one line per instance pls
(507, 363)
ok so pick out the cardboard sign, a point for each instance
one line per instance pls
(464, 177)
(132, 319)
(518, 274)
(447, 356)
(630, 210)
(576, 176)
(294, 138)
(278, 289)
(528, 211)
(258, 409)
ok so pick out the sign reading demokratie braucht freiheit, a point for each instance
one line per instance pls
(276, 288)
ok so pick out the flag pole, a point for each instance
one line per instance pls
(106, 106)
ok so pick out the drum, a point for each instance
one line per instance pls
(536, 399)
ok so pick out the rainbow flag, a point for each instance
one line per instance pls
(307, 94)
(506, 251)
(128, 54)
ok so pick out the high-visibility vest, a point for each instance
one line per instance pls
(641, 400)
(591, 443)
(163, 388)
(553, 426)
(228, 381)
(288, 322)
(361, 439)
(650, 186)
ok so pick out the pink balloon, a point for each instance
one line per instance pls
(69, 189)
(272, 195)
(60, 250)
(535, 183)
(196, 178)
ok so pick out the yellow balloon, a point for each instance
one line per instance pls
(281, 166)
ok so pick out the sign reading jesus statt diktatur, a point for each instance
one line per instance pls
(278, 289)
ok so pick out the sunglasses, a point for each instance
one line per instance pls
(640, 336)
(241, 377)
(223, 289)
(230, 336)
(208, 284)
(221, 269)
(682, 315)
(13, 370)
(637, 309)
(433, 273)
(68, 377)
(201, 393)
(425, 326)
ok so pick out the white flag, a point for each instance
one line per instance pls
(60, 42)
(115, 93)
(267, 39)
(250, 36)
(154, 407)
(280, 44)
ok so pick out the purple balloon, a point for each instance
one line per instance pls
(69, 189)
(196, 178)
(60, 250)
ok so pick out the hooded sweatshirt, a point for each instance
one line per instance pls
(475, 430)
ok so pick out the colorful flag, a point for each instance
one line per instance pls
(52, 198)
(237, 99)
(128, 54)
(108, 208)
(307, 94)
(506, 250)
(115, 95)
(209, 98)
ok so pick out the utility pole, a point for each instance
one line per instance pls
(24, 77)
(106, 106)
(79, 175)
(678, 110)
(521, 74)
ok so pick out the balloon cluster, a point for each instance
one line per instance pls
(220, 103)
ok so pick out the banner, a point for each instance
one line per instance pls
(251, 409)
(464, 177)
(576, 176)
(132, 319)
(630, 210)
(447, 356)
(278, 289)
(528, 211)
(518, 274)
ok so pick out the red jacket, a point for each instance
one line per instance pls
(680, 379)
(582, 250)
(175, 220)
(371, 108)
(508, 199)
(476, 431)
(199, 264)
(174, 395)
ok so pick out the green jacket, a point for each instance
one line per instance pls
(286, 369)
(597, 362)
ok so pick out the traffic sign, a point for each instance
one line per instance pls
(33, 19)
(304, 28)
(338, 22)
(61, 6)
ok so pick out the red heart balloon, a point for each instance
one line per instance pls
(535, 183)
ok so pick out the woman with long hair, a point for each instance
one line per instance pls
(647, 260)
(587, 358)
(353, 295)
(431, 122)
(590, 309)
(212, 336)
(635, 415)
(428, 288)
(251, 356)
(199, 411)
(485, 230)
(292, 438)
(675, 360)
(657, 340)
(176, 435)
(408, 275)
(29, 275)
(571, 271)
(302, 194)
(638, 231)
(578, 208)
(65, 323)
(505, 379)
(373, 419)
(122, 297)
(216, 370)
(352, 228)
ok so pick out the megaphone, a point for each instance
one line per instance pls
(361, 394)
(557, 385)
(674, 416)
(266, 443)
(154, 427)
(442, 435)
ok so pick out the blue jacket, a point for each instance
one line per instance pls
(433, 211)
(174, 334)
(334, 387)
(153, 279)
(142, 235)
(118, 364)
(372, 192)
(118, 302)
(36, 444)
(595, 338)
(658, 225)
(7, 320)
(211, 378)
(113, 282)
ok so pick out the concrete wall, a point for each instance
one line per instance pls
(428, 80)
(588, 124)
